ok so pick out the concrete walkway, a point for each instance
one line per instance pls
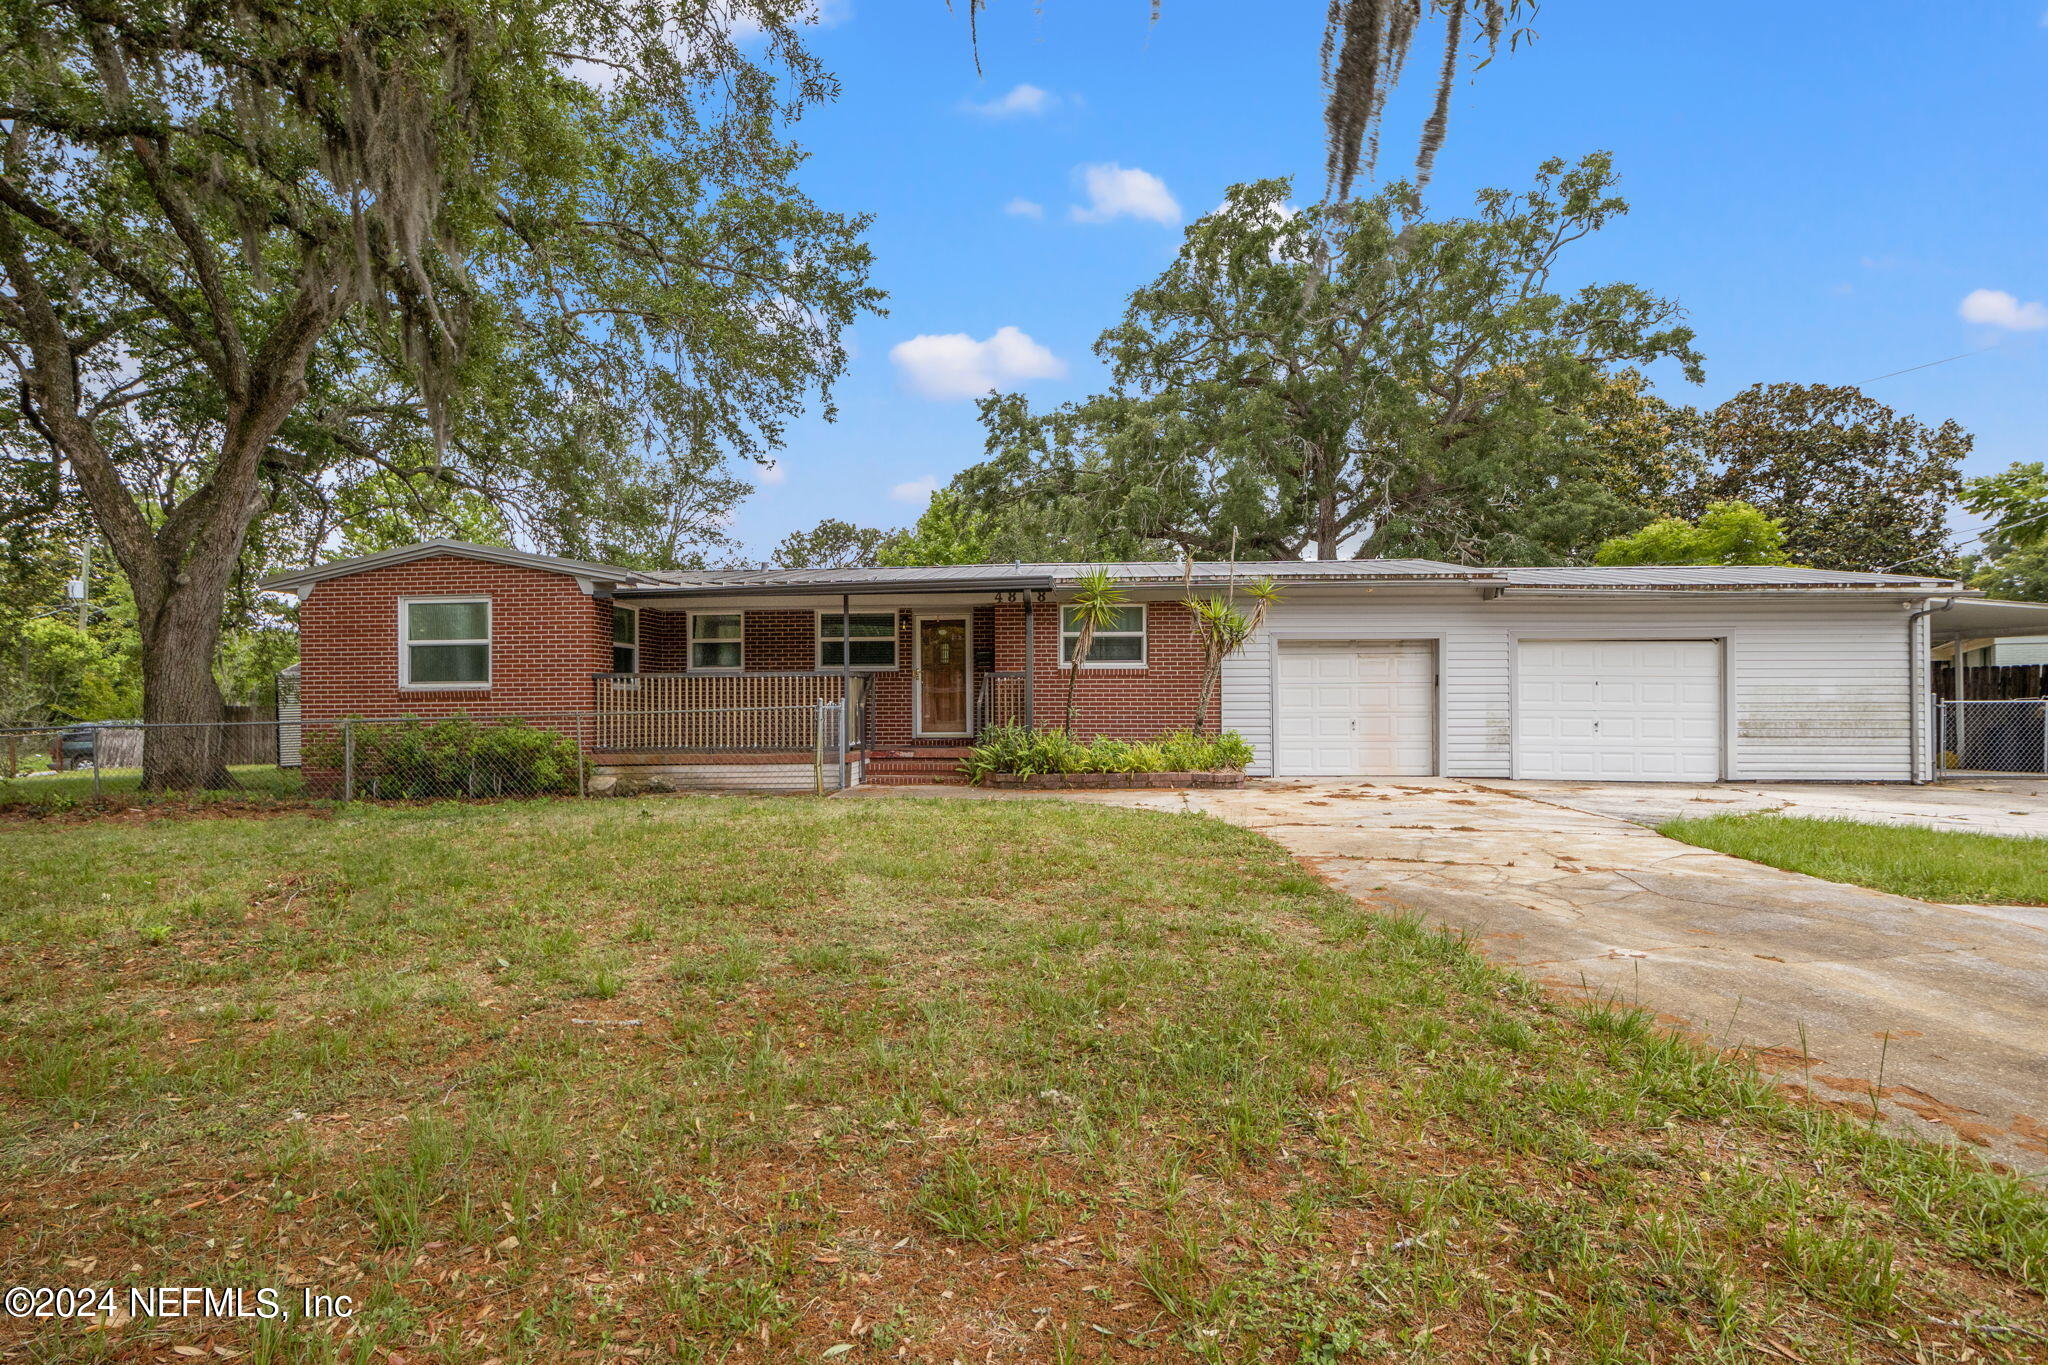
(1950, 1003)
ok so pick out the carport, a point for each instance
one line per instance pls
(1987, 719)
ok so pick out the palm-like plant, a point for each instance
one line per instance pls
(1224, 628)
(1096, 600)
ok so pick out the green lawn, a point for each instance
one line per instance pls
(1931, 864)
(757, 1080)
(258, 780)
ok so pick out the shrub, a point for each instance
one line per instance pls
(413, 758)
(1014, 749)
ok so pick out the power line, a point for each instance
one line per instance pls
(1995, 528)
(1960, 355)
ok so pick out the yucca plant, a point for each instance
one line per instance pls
(1094, 606)
(1224, 628)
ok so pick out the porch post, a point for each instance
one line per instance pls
(1030, 652)
(845, 683)
(1961, 728)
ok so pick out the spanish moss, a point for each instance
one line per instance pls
(1365, 46)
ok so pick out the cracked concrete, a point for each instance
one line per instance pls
(2004, 805)
(1947, 1005)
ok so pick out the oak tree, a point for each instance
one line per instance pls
(548, 252)
(1350, 380)
(1856, 485)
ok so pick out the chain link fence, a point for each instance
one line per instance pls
(459, 757)
(1994, 736)
(98, 759)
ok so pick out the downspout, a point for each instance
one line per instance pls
(1923, 684)
(1959, 694)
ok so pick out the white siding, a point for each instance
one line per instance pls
(289, 732)
(1817, 688)
(2017, 650)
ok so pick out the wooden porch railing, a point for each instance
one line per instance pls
(998, 700)
(725, 712)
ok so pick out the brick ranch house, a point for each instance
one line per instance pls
(1366, 667)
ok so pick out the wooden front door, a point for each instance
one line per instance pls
(942, 675)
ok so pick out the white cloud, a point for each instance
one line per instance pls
(1114, 192)
(1025, 208)
(955, 365)
(1996, 308)
(917, 490)
(773, 473)
(1023, 101)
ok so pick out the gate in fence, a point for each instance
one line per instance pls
(1994, 736)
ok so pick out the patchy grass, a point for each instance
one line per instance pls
(719, 1079)
(1952, 866)
(259, 780)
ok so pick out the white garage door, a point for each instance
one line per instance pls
(1619, 710)
(1356, 707)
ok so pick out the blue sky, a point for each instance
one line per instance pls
(1821, 193)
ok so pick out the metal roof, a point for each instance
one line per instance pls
(1046, 575)
(1163, 573)
(1988, 618)
(1679, 576)
(461, 549)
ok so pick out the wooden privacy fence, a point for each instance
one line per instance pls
(2005, 682)
(724, 713)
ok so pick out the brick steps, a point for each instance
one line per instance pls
(933, 765)
(934, 778)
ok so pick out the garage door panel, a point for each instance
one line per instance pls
(1355, 707)
(1619, 710)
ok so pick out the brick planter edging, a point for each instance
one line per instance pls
(1061, 781)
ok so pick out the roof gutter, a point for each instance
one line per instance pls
(918, 586)
(1774, 589)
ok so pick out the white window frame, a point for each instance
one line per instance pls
(895, 664)
(690, 642)
(635, 646)
(1143, 632)
(405, 682)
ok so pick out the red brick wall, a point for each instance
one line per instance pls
(547, 638)
(781, 641)
(1123, 703)
(663, 641)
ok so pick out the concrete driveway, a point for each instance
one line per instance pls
(1988, 805)
(1950, 1003)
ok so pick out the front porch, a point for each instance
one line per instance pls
(789, 714)
(806, 690)
(765, 678)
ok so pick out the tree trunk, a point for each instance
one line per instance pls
(1212, 674)
(1082, 643)
(1327, 537)
(181, 700)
